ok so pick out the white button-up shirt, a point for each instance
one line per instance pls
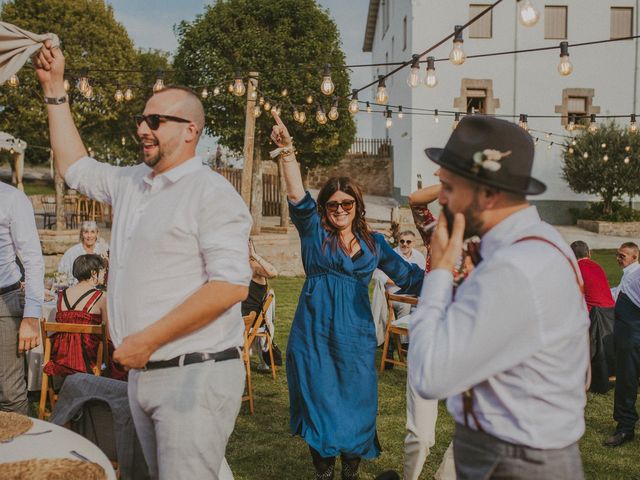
(630, 282)
(19, 236)
(171, 234)
(517, 333)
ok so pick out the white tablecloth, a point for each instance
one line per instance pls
(56, 444)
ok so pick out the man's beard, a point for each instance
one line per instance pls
(151, 161)
(472, 223)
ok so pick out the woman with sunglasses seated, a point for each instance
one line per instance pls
(331, 371)
(83, 303)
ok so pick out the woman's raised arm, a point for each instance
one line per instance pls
(291, 169)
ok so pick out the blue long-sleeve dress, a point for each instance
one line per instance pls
(333, 389)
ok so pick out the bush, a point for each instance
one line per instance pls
(596, 211)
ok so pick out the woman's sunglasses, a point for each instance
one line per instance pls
(155, 119)
(332, 206)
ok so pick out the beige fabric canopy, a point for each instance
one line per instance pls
(16, 148)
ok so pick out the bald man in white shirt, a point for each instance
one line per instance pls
(178, 270)
(510, 351)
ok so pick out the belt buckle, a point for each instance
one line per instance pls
(181, 359)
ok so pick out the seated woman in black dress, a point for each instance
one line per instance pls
(258, 289)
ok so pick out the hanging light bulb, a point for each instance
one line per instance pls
(333, 111)
(570, 150)
(585, 155)
(327, 87)
(284, 92)
(302, 117)
(457, 55)
(253, 95)
(159, 85)
(88, 93)
(456, 120)
(535, 141)
(523, 123)
(257, 111)
(13, 81)
(627, 148)
(296, 114)
(267, 106)
(549, 146)
(66, 85)
(368, 108)
(83, 84)
(123, 141)
(593, 126)
(547, 135)
(238, 85)
(216, 91)
(571, 126)
(605, 158)
(529, 16)
(400, 112)
(574, 143)
(381, 93)
(436, 118)
(128, 95)
(204, 93)
(389, 121)
(564, 67)
(603, 145)
(413, 80)
(261, 101)
(321, 117)
(633, 126)
(354, 105)
(118, 96)
(230, 88)
(626, 160)
(309, 99)
(430, 79)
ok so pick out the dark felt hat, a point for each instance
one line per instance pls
(492, 152)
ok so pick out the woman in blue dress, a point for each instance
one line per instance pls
(331, 372)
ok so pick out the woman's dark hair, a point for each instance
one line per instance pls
(359, 225)
(85, 265)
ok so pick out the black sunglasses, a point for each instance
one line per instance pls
(155, 119)
(346, 205)
(408, 242)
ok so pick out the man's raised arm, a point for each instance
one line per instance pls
(65, 139)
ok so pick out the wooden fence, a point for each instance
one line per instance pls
(270, 189)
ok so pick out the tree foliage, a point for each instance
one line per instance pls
(604, 163)
(287, 42)
(91, 38)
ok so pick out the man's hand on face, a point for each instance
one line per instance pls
(446, 249)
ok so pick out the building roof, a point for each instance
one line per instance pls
(370, 31)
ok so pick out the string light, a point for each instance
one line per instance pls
(204, 93)
(216, 91)
(413, 80)
(564, 67)
(230, 88)
(354, 105)
(627, 148)
(593, 126)
(296, 114)
(128, 95)
(457, 55)
(430, 79)
(529, 16)
(284, 92)
(605, 158)
(83, 82)
(400, 112)
(333, 111)
(123, 141)
(261, 101)
(327, 87)
(523, 123)
(389, 121)
(570, 150)
(436, 118)
(603, 145)
(159, 85)
(13, 81)
(321, 117)
(633, 126)
(368, 108)
(585, 155)
(456, 120)
(257, 111)
(571, 126)
(626, 160)
(549, 146)
(309, 99)
(302, 117)
(381, 93)
(238, 85)
(88, 93)
(267, 106)
(118, 96)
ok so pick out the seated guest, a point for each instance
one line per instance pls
(262, 271)
(89, 243)
(601, 305)
(83, 303)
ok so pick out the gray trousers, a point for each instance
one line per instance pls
(184, 417)
(13, 386)
(479, 455)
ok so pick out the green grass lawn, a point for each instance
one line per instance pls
(262, 447)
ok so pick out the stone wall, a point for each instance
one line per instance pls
(373, 173)
(618, 229)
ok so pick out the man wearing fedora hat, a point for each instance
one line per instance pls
(510, 351)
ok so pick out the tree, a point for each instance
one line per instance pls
(91, 38)
(604, 163)
(287, 42)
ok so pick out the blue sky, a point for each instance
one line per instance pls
(150, 25)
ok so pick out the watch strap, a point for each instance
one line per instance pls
(56, 100)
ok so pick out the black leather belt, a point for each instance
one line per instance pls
(189, 358)
(10, 288)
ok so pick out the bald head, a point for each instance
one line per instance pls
(182, 102)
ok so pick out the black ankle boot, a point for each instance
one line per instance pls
(327, 474)
(325, 466)
(350, 468)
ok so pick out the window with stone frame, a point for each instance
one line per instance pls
(621, 22)
(476, 96)
(481, 28)
(577, 103)
(555, 22)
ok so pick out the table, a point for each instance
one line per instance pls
(35, 355)
(56, 444)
